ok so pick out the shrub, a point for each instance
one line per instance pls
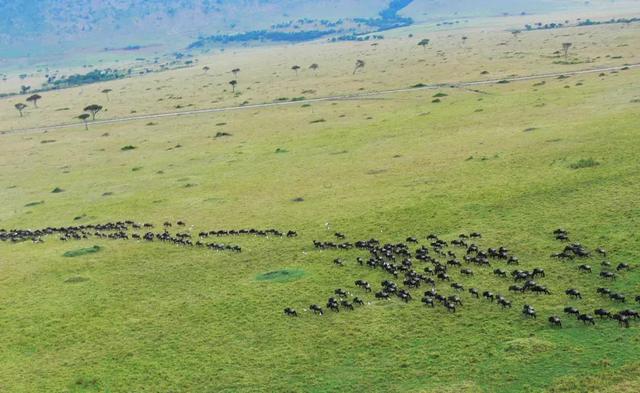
(584, 163)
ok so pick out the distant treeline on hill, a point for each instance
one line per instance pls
(261, 35)
(588, 22)
(389, 19)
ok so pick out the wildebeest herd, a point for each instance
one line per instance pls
(432, 265)
(131, 230)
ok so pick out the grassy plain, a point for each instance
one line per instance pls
(153, 317)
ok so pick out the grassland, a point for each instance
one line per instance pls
(504, 161)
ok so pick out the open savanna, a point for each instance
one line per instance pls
(490, 52)
(153, 317)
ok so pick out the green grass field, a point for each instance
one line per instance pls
(513, 161)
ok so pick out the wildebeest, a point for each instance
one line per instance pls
(382, 295)
(346, 304)
(584, 268)
(457, 287)
(290, 312)
(622, 266)
(316, 309)
(586, 319)
(428, 301)
(555, 321)
(603, 291)
(474, 292)
(500, 273)
(528, 311)
(600, 312)
(571, 311)
(574, 293)
(623, 320)
(608, 275)
(618, 297)
(488, 295)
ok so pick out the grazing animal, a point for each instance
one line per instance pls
(528, 311)
(474, 292)
(451, 307)
(574, 293)
(586, 319)
(346, 304)
(630, 313)
(571, 311)
(555, 321)
(290, 312)
(622, 266)
(428, 301)
(358, 302)
(608, 275)
(340, 235)
(316, 309)
(585, 268)
(488, 295)
(457, 287)
(602, 313)
(338, 262)
(500, 273)
(504, 302)
(603, 291)
(467, 272)
(601, 251)
(515, 288)
(382, 295)
(623, 320)
(638, 299)
(618, 297)
(537, 272)
(340, 292)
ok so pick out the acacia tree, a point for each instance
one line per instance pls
(34, 98)
(106, 92)
(206, 69)
(93, 109)
(20, 107)
(296, 68)
(235, 72)
(565, 47)
(424, 43)
(359, 65)
(233, 84)
(84, 117)
(314, 67)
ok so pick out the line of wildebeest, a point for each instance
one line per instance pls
(131, 230)
(401, 264)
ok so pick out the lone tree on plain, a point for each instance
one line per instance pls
(206, 69)
(359, 65)
(233, 84)
(565, 47)
(20, 107)
(34, 98)
(93, 109)
(106, 92)
(314, 67)
(296, 68)
(424, 43)
(84, 117)
(235, 72)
